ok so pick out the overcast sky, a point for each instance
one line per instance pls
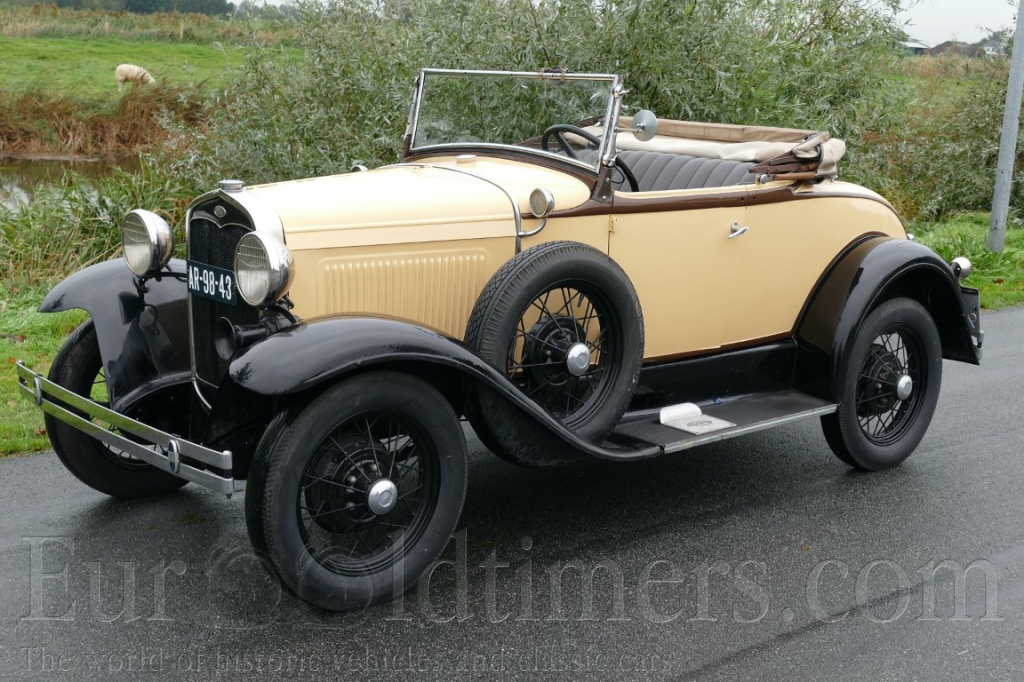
(936, 21)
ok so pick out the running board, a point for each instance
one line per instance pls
(749, 414)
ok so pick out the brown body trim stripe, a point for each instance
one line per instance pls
(623, 203)
(709, 352)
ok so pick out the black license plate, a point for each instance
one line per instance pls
(972, 305)
(216, 284)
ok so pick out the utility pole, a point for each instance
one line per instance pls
(1008, 139)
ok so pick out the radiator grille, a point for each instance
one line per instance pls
(213, 244)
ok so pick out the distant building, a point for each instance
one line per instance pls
(991, 48)
(950, 47)
(914, 48)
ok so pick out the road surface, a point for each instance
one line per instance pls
(759, 558)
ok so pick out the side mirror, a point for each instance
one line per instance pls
(645, 125)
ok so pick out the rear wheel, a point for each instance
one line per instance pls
(360, 492)
(79, 368)
(890, 387)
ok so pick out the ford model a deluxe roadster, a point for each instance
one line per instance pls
(575, 282)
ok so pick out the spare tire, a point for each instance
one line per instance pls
(563, 321)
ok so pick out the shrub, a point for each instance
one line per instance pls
(807, 63)
(39, 121)
(940, 158)
(76, 223)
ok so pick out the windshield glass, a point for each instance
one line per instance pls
(458, 108)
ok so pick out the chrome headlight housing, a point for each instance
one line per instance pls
(146, 241)
(263, 269)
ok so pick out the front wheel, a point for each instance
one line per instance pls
(890, 387)
(79, 368)
(359, 492)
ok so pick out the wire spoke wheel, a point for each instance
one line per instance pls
(367, 493)
(559, 350)
(563, 322)
(889, 387)
(78, 367)
(351, 499)
(98, 394)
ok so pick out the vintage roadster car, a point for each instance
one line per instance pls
(573, 281)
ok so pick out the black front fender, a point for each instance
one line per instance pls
(143, 337)
(320, 351)
(871, 271)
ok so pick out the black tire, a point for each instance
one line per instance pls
(255, 486)
(79, 368)
(307, 505)
(874, 428)
(595, 306)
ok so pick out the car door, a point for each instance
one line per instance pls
(792, 238)
(675, 247)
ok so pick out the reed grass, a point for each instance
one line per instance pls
(45, 122)
(50, 21)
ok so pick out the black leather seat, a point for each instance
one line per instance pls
(658, 171)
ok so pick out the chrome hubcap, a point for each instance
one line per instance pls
(382, 496)
(904, 387)
(577, 359)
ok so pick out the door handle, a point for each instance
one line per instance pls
(736, 231)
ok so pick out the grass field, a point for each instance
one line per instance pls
(35, 338)
(50, 21)
(84, 67)
(999, 277)
(61, 98)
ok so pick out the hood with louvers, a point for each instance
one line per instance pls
(399, 204)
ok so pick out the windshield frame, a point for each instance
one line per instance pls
(610, 115)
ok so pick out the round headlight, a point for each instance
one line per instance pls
(146, 241)
(263, 269)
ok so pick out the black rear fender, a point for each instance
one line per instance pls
(870, 272)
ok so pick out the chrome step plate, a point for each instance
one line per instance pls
(688, 417)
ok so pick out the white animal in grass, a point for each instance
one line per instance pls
(133, 74)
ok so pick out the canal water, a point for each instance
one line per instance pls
(19, 178)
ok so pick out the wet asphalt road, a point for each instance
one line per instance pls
(763, 557)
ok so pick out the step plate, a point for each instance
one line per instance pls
(750, 414)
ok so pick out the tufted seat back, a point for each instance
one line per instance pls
(658, 171)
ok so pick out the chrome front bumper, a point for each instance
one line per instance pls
(162, 450)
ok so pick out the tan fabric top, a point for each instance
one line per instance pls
(736, 142)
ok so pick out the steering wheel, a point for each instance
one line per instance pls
(556, 131)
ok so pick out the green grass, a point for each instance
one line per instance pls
(999, 277)
(938, 80)
(35, 338)
(85, 66)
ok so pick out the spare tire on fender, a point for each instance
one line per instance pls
(563, 321)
